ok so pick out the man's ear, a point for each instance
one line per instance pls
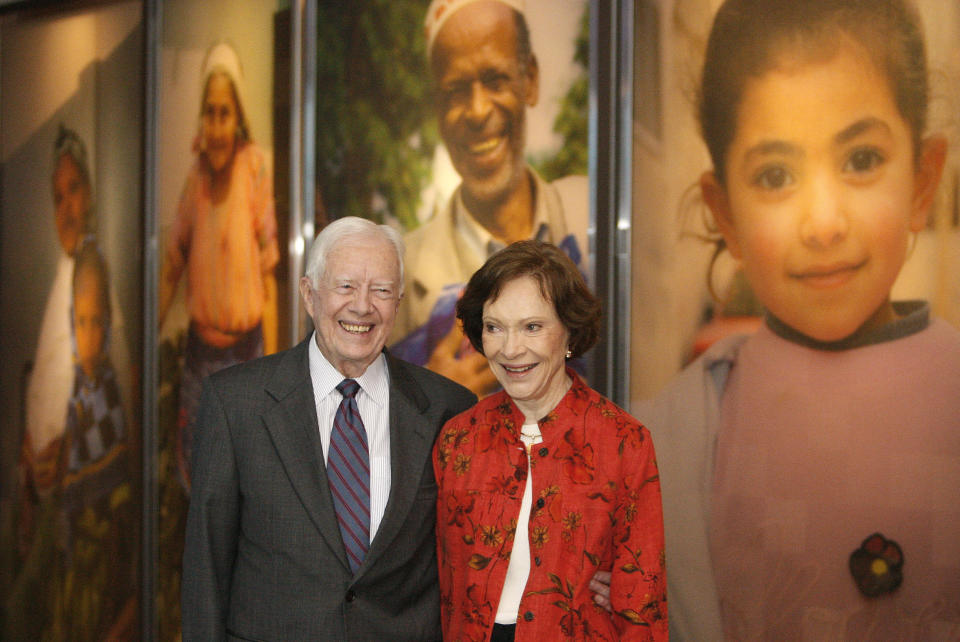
(306, 287)
(933, 156)
(533, 81)
(716, 199)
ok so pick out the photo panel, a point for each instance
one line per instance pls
(70, 287)
(382, 152)
(222, 213)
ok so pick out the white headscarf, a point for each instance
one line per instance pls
(222, 58)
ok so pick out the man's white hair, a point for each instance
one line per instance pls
(346, 228)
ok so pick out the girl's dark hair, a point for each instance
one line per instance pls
(560, 283)
(751, 37)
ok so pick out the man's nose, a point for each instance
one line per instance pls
(480, 104)
(362, 301)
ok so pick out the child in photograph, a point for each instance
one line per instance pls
(97, 596)
(225, 237)
(811, 470)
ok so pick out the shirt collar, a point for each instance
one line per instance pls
(479, 240)
(913, 316)
(326, 378)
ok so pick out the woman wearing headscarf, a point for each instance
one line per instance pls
(225, 237)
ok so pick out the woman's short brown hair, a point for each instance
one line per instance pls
(561, 283)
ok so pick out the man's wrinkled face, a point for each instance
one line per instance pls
(354, 305)
(482, 92)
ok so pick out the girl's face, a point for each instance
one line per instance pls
(219, 121)
(823, 192)
(89, 320)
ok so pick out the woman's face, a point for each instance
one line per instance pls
(71, 202)
(525, 343)
(220, 122)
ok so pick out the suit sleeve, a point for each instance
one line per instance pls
(212, 524)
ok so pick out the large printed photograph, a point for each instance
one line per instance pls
(70, 253)
(222, 253)
(795, 337)
(464, 127)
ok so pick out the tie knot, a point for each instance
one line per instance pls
(348, 388)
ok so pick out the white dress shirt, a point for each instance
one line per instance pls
(518, 569)
(373, 400)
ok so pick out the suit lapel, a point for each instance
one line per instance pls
(292, 424)
(411, 441)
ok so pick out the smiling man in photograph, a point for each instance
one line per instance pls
(314, 501)
(485, 77)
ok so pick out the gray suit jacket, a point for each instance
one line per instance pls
(263, 558)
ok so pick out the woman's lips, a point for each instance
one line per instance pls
(518, 370)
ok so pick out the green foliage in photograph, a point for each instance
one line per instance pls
(571, 122)
(375, 131)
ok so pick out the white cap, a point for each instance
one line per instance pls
(441, 10)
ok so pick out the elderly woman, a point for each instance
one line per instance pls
(225, 237)
(546, 482)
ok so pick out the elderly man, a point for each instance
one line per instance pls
(485, 77)
(313, 506)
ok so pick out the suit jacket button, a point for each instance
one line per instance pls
(528, 616)
(540, 503)
(536, 560)
(350, 596)
(544, 451)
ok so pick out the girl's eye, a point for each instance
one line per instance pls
(773, 178)
(863, 160)
(533, 327)
(489, 328)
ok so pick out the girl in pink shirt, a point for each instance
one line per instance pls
(811, 471)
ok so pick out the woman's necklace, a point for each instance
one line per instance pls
(530, 435)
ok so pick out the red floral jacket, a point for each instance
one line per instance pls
(596, 505)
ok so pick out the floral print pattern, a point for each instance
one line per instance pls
(877, 566)
(596, 506)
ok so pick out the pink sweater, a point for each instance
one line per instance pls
(818, 450)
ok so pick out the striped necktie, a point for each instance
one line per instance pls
(348, 471)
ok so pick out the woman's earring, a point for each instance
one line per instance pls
(569, 354)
